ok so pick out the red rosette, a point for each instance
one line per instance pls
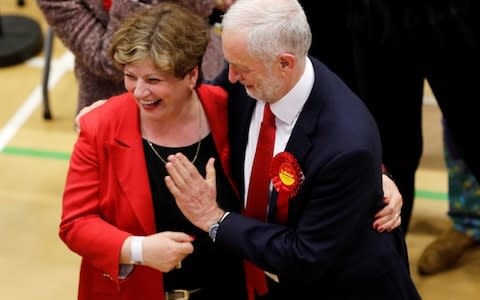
(286, 178)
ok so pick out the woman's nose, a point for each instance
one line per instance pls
(141, 90)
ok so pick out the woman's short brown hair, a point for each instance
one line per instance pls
(174, 37)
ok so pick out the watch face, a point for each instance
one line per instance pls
(212, 231)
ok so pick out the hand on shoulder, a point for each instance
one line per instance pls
(85, 110)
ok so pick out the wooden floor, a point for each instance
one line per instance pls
(33, 161)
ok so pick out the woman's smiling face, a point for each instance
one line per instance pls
(155, 90)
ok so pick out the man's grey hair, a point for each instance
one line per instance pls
(271, 26)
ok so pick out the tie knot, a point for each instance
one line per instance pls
(268, 116)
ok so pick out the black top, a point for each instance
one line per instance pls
(207, 265)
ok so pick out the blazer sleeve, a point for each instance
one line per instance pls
(82, 227)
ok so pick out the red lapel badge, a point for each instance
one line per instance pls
(286, 178)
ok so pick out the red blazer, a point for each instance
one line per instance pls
(107, 194)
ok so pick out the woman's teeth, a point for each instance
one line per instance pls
(148, 102)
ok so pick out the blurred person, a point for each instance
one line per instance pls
(464, 211)
(331, 37)
(315, 238)
(117, 213)
(398, 45)
(332, 45)
(85, 27)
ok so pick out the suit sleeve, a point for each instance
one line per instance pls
(335, 201)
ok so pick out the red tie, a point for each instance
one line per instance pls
(258, 193)
(258, 190)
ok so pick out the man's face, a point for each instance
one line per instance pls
(259, 80)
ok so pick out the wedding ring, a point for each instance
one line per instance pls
(179, 265)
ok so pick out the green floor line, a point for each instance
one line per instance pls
(429, 195)
(36, 153)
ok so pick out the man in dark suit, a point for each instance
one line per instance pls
(327, 167)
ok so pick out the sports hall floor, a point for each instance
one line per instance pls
(33, 161)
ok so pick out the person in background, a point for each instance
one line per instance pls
(464, 211)
(331, 37)
(332, 44)
(117, 213)
(314, 236)
(397, 45)
(85, 27)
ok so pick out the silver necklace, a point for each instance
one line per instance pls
(199, 136)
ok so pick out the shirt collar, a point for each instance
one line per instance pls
(289, 106)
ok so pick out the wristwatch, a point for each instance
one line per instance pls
(212, 230)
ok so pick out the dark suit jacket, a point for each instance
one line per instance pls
(107, 196)
(328, 247)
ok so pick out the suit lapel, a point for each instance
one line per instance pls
(127, 156)
(299, 143)
(239, 137)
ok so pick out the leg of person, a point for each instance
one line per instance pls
(464, 211)
(390, 82)
(452, 64)
(331, 38)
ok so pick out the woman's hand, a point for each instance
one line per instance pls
(389, 218)
(163, 251)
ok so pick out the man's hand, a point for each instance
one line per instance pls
(389, 218)
(84, 111)
(195, 196)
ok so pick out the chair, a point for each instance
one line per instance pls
(48, 45)
(47, 49)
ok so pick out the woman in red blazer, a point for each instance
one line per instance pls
(117, 212)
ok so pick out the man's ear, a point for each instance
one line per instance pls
(287, 60)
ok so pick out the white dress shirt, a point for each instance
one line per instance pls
(286, 111)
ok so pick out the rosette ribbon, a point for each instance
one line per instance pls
(286, 179)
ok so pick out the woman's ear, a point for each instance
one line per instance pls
(192, 76)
